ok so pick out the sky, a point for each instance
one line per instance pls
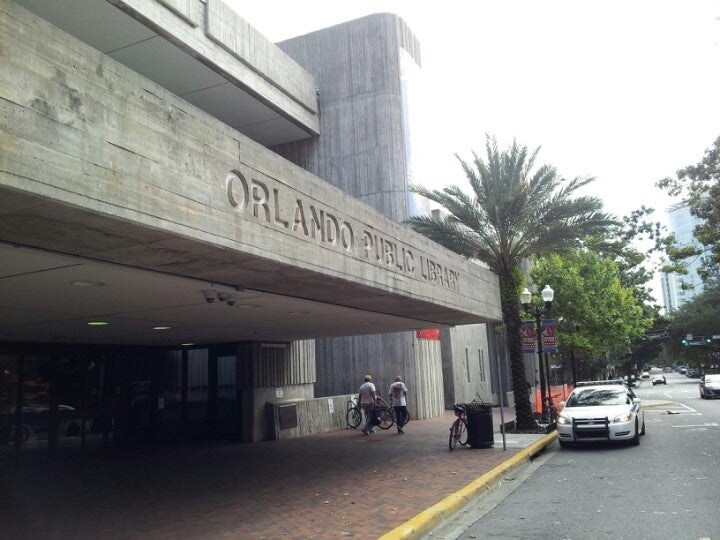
(625, 91)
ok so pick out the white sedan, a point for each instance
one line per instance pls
(601, 412)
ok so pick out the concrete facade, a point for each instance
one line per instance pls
(160, 186)
(365, 70)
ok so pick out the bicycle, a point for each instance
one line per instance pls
(385, 412)
(552, 411)
(353, 416)
(458, 430)
(407, 414)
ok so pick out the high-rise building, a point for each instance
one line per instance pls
(678, 289)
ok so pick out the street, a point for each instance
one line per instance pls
(665, 488)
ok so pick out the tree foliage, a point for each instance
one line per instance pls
(699, 185)
(699, 317)
(514, 211)
(596, 312)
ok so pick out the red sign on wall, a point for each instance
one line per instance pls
(430, 333)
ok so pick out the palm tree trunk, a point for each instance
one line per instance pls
(509, 293)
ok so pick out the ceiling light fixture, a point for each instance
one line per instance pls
(98, 323)
(162, 327)
(87, 283)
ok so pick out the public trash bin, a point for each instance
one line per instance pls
(479, 424)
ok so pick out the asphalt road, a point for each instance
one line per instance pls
(665, 488)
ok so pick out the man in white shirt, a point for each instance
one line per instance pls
(398, 394)
(366, 399)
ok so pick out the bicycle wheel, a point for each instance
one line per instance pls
(386, 418)
(452, 442)
(353, 418)
(462, 432)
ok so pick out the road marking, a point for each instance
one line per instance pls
(706, 424)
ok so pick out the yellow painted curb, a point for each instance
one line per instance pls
(427, 519)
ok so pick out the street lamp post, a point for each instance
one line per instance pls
(526, 298)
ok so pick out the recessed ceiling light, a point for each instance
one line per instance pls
(188, 344)
(84, 283)
(162, 327)
(98, 323)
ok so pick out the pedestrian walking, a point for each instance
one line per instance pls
(366, 398)
(398, 399)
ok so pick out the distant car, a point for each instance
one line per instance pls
(645, 375)
(710, 387)
(692, 373)
(682, 369)
(601, 412)
(659, 379)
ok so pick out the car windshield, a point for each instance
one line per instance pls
(593, 397)
(714, 379)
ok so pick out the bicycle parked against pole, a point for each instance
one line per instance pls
(458, 430)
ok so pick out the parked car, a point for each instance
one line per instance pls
(693, 373)
(659, 379)
(601, 412)
(710, 387)
(645, 375)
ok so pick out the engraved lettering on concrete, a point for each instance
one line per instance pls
(314, 222)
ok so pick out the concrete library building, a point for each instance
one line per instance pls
(201, 231)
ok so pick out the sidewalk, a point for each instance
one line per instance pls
(330, 485)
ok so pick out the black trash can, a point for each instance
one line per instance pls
(480, 425)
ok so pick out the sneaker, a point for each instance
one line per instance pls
(400, 430)
(365, 432)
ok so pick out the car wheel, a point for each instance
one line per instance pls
(642, 430)
(564, 444)
(636, 439)
(702, 396)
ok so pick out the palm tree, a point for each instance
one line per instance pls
(513, 215)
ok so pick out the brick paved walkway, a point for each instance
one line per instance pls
(330, 485)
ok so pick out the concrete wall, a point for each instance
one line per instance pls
(313, 416)
(100, 162)
(357, 69)
(466, 364)
(362, 151)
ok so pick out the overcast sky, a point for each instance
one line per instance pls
(626, 91)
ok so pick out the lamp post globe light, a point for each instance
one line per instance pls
(547, 294)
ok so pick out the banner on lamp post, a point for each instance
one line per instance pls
(549, 342)
(527, 330)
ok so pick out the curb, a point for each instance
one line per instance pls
(427, 519)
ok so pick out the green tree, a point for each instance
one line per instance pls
(515, 211)
(590, 294)
(596, 312)
(700, 186)
(699, 317)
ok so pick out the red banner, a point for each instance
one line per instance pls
(430, 333)
(549, 342)
(527, 331)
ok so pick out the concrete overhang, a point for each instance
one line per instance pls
(202, 51)
(107, 178)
